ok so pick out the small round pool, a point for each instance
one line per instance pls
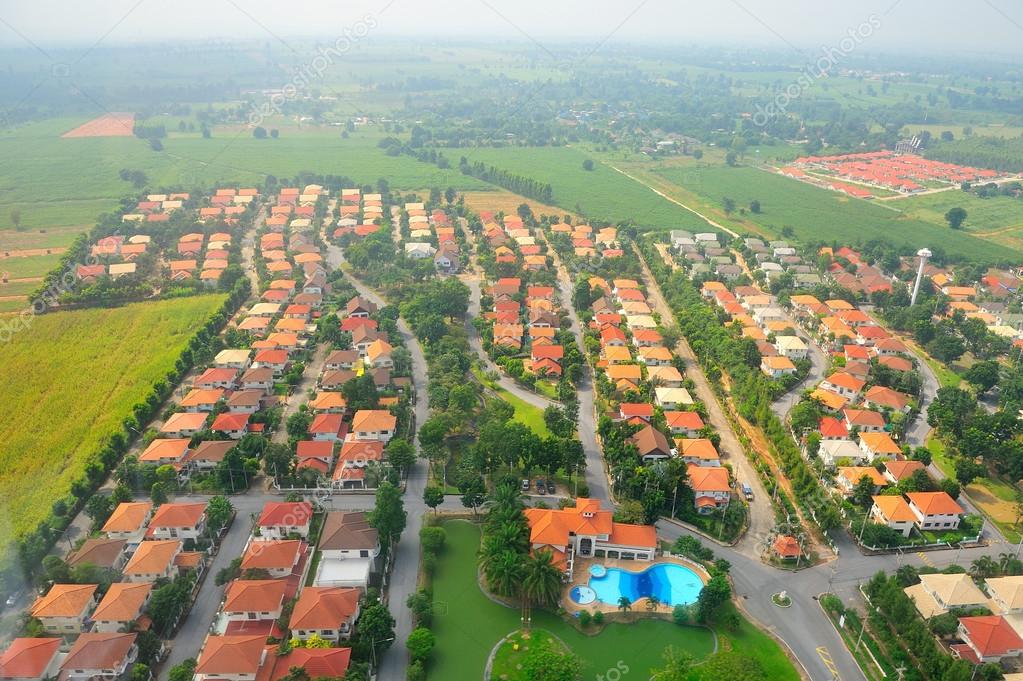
(583, 595)
(598, 570)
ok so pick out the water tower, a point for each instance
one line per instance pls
(924, 255)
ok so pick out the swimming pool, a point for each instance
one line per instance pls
(670, 583)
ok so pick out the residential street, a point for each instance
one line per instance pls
(405, 574)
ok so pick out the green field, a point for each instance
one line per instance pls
(998, 219)
(468, 624)
(599, 194)
(819, 214)
(68, 382)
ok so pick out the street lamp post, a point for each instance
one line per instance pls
(374, 649)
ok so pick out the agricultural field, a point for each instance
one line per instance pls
(998, 219)
(69, 380)
(819, 214)
(598, 194)
(500, 200)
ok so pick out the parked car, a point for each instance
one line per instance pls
(747, 491)
(525, 484)
(540, 486)
(551, 489)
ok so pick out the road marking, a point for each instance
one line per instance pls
(828, 662)
(925, 558)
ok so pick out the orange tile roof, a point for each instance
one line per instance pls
(787, 546)
(553, 526)
(128, 516)
(991, 634)
(853, 474)
(178, 514)
(231, 655)
(844, 380)
(934, 503)
(153, 557)
(123, 602)
(28, 658)
(324, 607)
(275, 553)
(880, 443)
(291, 513)
(708, 478)
(894, 509)
(373, 420)
(98, 651)
(64, 600)
(700, 448)
(829, 399)
(625, 534)
(900, 470)
(255, 595)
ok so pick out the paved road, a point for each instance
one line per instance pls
(476, 343)
(405, 574)
(596, 471)
(761, 521)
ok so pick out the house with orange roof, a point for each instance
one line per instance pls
(254, 600)
(990, 639)
(776, 367)
(786, 547)
(183, 424)
(711, 488)
(895, 471)
(217, 377)
(833, 402)
(684, 423)
(153, 560)
(165, 451)
(373, 424)
(655, 355)
(850, 476)
(100, 656)
(697, 451)
(863, 420)
(329, 612)
(128, 521)
(178, 520)
(202, 399)
(875, 445)
(934, 511)
(668, 377)
(616, 354)
(327, 427)
(231, 658)
(65, 607)
(279, 557)
(586, 530)
(378, 354)
(232, 424)
(31, 659)
(843, 384)
(122, 606)
(880, 397)
(894, 512)
(283, 519)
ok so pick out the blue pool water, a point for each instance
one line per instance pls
(670, 583)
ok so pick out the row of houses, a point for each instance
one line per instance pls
(431, 236)
(358, 213)
(631, 344)
(274, 571)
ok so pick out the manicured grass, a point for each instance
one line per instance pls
(526, 413)
(815, 213)
(995, 498)
(33, 266)
(68, 382)
(749, 640)
(599, 194)
(514, 651)
(468, 625)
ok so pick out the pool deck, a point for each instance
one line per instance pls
(582, 577)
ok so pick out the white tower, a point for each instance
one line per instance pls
(924, 255)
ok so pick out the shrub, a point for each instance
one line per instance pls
(585, 618)
(598, 618)
(432, 539)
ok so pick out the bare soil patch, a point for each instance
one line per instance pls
(114, 124)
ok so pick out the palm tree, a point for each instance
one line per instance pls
(652, 602)
(542, 580)
(624, 604)
(504, 573)
(511, 536)
(983, 567)
(506, 496)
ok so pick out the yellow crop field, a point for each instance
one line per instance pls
(67, 381)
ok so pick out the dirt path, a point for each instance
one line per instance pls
(761, 521)
(695, 212)
(30, 252)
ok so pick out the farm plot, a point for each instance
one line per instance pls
(820, 214)
(115, 124)
(69, 380)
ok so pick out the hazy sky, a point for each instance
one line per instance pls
(937, 26)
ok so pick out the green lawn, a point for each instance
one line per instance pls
(468, 625)
(815, 213)
(983, 214)
(525, 413)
